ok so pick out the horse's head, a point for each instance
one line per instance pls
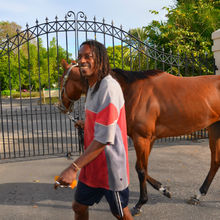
(71, 86)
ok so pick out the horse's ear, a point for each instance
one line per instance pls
(73, 62)
(64, 64)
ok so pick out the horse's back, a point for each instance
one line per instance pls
(168, 86)
(174, 105)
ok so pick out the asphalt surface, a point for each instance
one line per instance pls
(26, 187)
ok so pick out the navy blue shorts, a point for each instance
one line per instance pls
(89, 196)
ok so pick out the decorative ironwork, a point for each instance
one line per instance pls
(78, 22)
(76, 17)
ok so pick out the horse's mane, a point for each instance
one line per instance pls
(131, 76)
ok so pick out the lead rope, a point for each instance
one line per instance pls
(80, 133)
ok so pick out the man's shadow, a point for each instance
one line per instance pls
(35, 194)
(41, 195)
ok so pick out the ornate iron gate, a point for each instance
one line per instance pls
(33, 126)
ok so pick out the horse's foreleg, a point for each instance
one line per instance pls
(143, 148)
(214, 144)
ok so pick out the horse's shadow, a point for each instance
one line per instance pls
(157, 198)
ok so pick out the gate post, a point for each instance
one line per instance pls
(216, 49)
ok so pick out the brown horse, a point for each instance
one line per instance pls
(159, 105)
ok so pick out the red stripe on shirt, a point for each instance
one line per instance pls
(108, 115)
(99, 164)
(88, 173)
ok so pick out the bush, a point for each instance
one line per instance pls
(7, 92)
(16, 94)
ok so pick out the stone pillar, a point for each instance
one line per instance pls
(216, 49)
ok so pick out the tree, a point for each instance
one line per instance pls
(3, 77)
(117, 57)
(42, 74)
(188, 28)
(187, 31)
(29, 68)
(8, 28)
(136, 55)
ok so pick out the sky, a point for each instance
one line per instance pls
(128, 13)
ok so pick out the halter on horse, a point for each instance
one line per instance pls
(61, 106)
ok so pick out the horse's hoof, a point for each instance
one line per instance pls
(166, 192)
(135, 211)
(193, 201)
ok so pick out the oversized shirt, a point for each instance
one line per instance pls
(105, 122)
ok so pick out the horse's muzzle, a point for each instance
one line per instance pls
(64, 109)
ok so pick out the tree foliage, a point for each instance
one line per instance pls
(29, 68)
(8, 28)
(117, 57)
(187, 31)
(188, 28)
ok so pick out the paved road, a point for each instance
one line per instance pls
(26, 188)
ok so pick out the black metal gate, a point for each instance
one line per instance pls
(30, 124)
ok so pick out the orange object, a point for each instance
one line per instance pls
(72, 185)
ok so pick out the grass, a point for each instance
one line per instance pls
(53, 100)
(16, 94)
(24, 95)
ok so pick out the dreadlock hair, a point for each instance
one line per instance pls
(101, 59)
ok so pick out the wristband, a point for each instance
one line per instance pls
(75, 166)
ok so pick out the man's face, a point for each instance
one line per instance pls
(86, 62)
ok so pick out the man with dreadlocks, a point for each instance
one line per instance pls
(104, 163)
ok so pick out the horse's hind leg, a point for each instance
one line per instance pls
(158, 186)
(214, 144)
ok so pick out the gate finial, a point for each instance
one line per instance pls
(77, 15)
